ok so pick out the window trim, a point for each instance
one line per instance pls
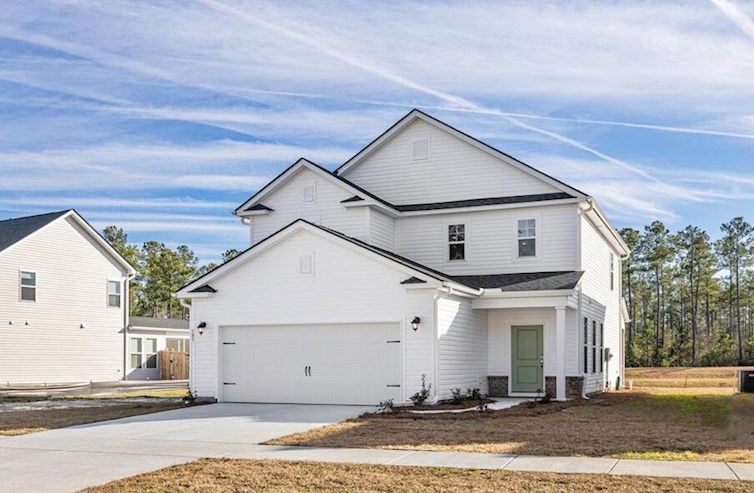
(537, 218)
(21, 286)
(131, 353)
(447, 242)
(594, 347)
(602, 347)
(120, 295)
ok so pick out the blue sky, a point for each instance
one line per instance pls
(162, 116)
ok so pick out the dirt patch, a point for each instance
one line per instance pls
(235, 476)
(446, 405)
(627, 424)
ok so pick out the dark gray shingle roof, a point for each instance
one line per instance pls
(524, 281)
(480, 202)
(14, 230)
(158, 323)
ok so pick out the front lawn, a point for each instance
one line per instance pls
(21, 422)
(232, 476)
(708, 427)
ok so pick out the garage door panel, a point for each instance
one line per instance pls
(338, 364)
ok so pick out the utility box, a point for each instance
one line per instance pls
(746, 380)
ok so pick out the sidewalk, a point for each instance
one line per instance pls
(466, 460)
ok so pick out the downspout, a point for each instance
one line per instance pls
(126, 316)
(187, 306)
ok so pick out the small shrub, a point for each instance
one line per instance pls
(473, 394)
(423, 394)
(386, 406)
(458, 396)
(189, 398)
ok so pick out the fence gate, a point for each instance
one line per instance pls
(174, 365)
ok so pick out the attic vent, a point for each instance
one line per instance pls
(306, 265)
(309, 194)
(420, 149)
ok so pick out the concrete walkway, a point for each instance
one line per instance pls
(69, 459)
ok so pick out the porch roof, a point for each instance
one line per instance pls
(523, 281)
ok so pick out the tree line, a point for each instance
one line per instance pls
(690, 299)
(161, 271)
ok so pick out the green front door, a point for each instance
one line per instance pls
(527, 358)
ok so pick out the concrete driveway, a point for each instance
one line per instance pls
(70, 459)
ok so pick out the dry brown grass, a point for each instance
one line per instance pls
(700, 379)
(23, 422)
(706, 427)
(236, 476)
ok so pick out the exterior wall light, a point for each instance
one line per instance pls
(202, 327)
(415, 323)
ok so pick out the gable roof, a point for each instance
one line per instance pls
(537, 281)
(15, 230)
(253, 202)
(417, 114)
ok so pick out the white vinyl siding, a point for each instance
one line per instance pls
(454, 170)
(595, 284)
(381, 230)
(462, 346)
(500, 322)
(45, 343)
(288, 204)
(371, 287)
(493, 248)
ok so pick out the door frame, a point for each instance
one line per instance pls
(543, 331)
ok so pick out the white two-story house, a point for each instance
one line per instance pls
(428, 256)
(63, 302)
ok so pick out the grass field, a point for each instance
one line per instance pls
(662, 421)
(701, 380)
(30, 421)
(235, 476)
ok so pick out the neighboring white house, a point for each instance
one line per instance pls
(429, 254)
(63, 302)
(147, 336)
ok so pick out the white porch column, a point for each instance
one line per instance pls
(560, 350)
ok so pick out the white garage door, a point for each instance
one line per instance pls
(312, 364)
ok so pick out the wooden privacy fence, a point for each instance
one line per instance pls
(174, 365)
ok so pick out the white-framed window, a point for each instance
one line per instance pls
(28, 285)
(135, 349)
(309, 194)
(612, 271)
(114, 294)
(150, 352)
(586, 345)
(143, 352)
(602, 347)
(456, 242)
(420, 149)
(527, 237)
(594, 346)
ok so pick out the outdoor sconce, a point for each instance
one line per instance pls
(202, 327)
(81, 326)
(415, 323)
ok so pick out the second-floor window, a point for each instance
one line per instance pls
(456, 242)
(527, 237)
(612, 271)
(28, 286)
(113, 294)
